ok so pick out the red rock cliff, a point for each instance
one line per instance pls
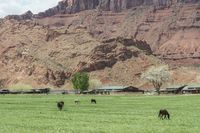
(74, 6)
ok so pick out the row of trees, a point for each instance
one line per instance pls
(157, 75)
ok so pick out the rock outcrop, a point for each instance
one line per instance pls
(27, 15)
(112, 51)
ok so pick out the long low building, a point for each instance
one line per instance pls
(114, 89)
(185, 89)
(173, 89)
(191, 89)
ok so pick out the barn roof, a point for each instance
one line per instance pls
(192, 87)
(112, 87)
(174, 88)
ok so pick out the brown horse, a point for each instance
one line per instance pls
(163, 114)
(60, 105)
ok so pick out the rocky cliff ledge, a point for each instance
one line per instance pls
(74, 6)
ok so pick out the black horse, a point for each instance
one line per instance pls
(93, 101)
(76, 101)
(164, 114)
(60, 105)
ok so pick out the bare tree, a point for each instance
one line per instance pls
(157, 75)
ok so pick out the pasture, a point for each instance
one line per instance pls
(111, 114)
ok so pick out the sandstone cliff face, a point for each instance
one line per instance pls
(74, 6)
(118, 5)
(69, 6)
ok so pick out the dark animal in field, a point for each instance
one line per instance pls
(76, 101)
(164, 114)
(93, 101)
(60, 105)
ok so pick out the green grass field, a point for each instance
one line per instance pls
(111, 114)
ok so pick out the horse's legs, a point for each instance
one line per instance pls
(168, 116)
(161, 116)
(165, 116)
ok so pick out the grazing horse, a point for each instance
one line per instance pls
(93, 101)
(60, 105)
(164, 114)
(76, 101)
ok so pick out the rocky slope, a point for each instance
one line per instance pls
(40, 55)
(107, 38)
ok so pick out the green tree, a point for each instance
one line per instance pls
(80, 81)
(157, 75)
